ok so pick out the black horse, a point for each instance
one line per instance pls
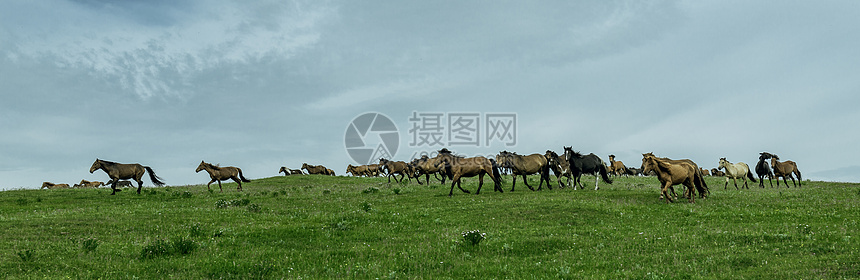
(762, 169)
(587, 164)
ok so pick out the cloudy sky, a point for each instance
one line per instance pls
(264, 84)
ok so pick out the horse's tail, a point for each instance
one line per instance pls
(242, 177)
(701, 186)
(497, 177)
(155, 179)
(604, 173)
(750, 175)
(797, 172)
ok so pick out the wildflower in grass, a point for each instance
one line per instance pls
(473, 237)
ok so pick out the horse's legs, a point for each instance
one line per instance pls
(113, 186)
(139, 185)
(480, 183)
(596, 180)
(210, 182)
(236, 179)
(525, 181)
(690, 186)
(514, 185)
(219, 186)
(665, 191)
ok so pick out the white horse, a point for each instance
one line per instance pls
(735, 171)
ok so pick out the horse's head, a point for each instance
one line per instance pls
(200, 166)
(284, 170)
(723, 163)
(96, 166)
(649, 163)
(304, 165)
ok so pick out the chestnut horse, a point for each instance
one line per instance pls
(120, 171)
(703, 189)
(51, 186)
(459, 167)
(317, 169)
(785, 169)
(217, 173)
(525, 165)
(671, 173)
(616, 167)
(735, 171)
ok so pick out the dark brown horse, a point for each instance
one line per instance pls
(426, 166)
(317, 169)
(459, 167)
(121, 171)
(393, 168)
(525, 165)
(785, 169)
(762, 169)
(673, 173)
(217, 173)
(560, 167)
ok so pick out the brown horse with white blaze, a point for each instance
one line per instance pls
(217, 173)
(121, 171)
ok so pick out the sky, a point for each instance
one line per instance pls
(265, 84)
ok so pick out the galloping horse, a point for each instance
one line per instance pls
(588, 164)
(673, 173)
(762, 169)
(735, 171)
(426, 166)
(317, 169)
(785, 169)
(459, 167)
(288, 172)
(51, 186)
(218, 173)
(559, 166)
(393, 168)
(525, 165)
(120, 171)
(616, 167)
(703, 189)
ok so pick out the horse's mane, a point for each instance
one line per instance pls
(107, 162)
(216, 166)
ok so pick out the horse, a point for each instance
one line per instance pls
(762, 169)
(288, 172)
(393, 168)
(717, 173)
(672, 173)
(616, 167)
(121, 171)
(51, 186)
(459, 167)
(317, 169)
(356, 170)
(588, 164)
(88, 184)
(735, 171)
(705, 172)
(120, 184)
(525, 165)
(785, 169)
(425, 166)
(703, 189)
(559, 167)
(218, 173)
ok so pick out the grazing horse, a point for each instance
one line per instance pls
(459, 167)
(88, 184)
(288, 172)
(717, 172)
(559, 166)
(616, 167)
(393, 168)
(587, 164)
(785, 169)
(525, 165)
(703, 189)
(217, 173)
(673, 173)
(121, 171)
(735, 171)
(51, 186)
(317, 169)
(762, 169)
(705, 172)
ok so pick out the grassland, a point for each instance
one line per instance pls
(316, 227)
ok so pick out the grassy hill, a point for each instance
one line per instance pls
(345, 227)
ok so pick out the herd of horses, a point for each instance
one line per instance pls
(448, 166)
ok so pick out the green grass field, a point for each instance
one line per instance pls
(317, 227)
